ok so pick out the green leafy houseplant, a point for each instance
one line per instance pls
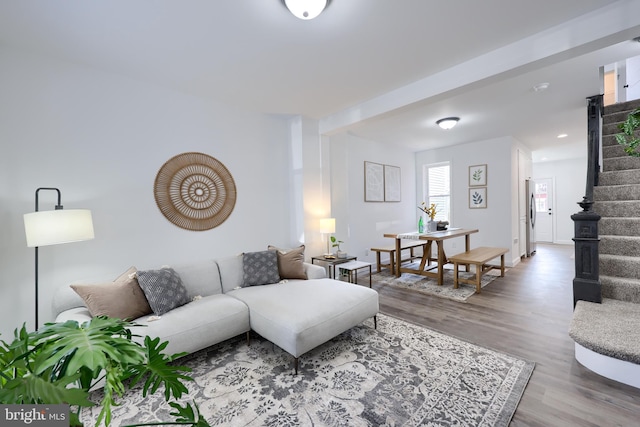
(336, 243)
(629, 139)
(63, 363)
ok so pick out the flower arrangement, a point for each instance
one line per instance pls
(430, 211)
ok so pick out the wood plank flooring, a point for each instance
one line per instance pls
(527, 314)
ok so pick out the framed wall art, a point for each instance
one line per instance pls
(373, 182)
(195, 191)
(478, 176)
(391, 183)
(478, 198)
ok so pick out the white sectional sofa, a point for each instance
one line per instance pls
(295, 314)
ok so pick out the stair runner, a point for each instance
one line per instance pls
(617, 200)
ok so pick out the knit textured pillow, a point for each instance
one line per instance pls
(260, 268)
(163, 288)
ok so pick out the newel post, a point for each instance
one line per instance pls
(586, 284)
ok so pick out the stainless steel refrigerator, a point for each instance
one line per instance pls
(531, 216)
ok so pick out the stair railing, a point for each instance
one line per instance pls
(586, 284)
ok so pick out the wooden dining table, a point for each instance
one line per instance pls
(439, 237)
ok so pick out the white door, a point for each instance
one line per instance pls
(544, 209)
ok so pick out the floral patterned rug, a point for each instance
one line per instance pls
(430, 286)
(398, 375)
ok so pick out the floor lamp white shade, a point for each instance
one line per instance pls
(45, 228)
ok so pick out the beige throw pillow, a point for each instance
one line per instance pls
(290, 262)
(122, 299)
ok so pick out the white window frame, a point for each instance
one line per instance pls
(425, 188)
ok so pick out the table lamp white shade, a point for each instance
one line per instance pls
(328, 225)
(59, 226)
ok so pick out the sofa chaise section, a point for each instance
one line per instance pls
(299, 316)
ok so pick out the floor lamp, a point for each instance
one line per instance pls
(44, 228)
(328, 226)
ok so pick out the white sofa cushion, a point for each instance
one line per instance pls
(198, 324)
(302, 314)
(200, 278)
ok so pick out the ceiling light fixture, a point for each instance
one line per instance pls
(541, 87)
(563, 135)
(306, 9)
(448, 122)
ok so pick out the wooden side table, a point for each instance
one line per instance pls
(331, 263)
(352, 268)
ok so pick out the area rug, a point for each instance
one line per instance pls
(398, 375)
(430, 285)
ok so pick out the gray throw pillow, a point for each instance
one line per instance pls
(163, 288)
(260, 268)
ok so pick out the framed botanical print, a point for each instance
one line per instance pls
(478, 175)
(478, 198)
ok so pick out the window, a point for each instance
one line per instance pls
(437, 189)
(541, 197)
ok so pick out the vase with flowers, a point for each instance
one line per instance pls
(431, 211)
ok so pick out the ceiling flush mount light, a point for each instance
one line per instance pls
(306, 9)
(541, 87)
(448, 122)
(563, 135)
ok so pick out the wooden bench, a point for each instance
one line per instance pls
(479, 258)
(406, 244)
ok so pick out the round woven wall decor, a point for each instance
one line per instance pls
(195, 191)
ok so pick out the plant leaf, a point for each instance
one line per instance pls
(160, 371)
(189, 414)
(33, 389)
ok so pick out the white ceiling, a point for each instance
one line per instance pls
(380, 69)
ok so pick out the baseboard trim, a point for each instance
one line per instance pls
(618, 370)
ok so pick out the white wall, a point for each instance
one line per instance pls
(101, 139)
(361, 225)
(570, 181)
(498, 223)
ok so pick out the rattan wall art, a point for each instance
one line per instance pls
(195, 191)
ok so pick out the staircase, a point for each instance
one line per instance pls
(617, 200)
(606, 335)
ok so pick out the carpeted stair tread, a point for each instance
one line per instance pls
(619, 245)
(621, 163)
(619, 226)
(617, 208)
(621, 288)
(616, 192)
(619, 177)
(612, 151)
(621, 106)
(620, 266)
(610, 328)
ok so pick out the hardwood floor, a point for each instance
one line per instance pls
(527, 314)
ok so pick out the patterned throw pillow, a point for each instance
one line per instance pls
(260, 268)
(122, 298)
(290, 262)
(163, 288)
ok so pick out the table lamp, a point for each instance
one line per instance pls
(55, 227)
(328, 226)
